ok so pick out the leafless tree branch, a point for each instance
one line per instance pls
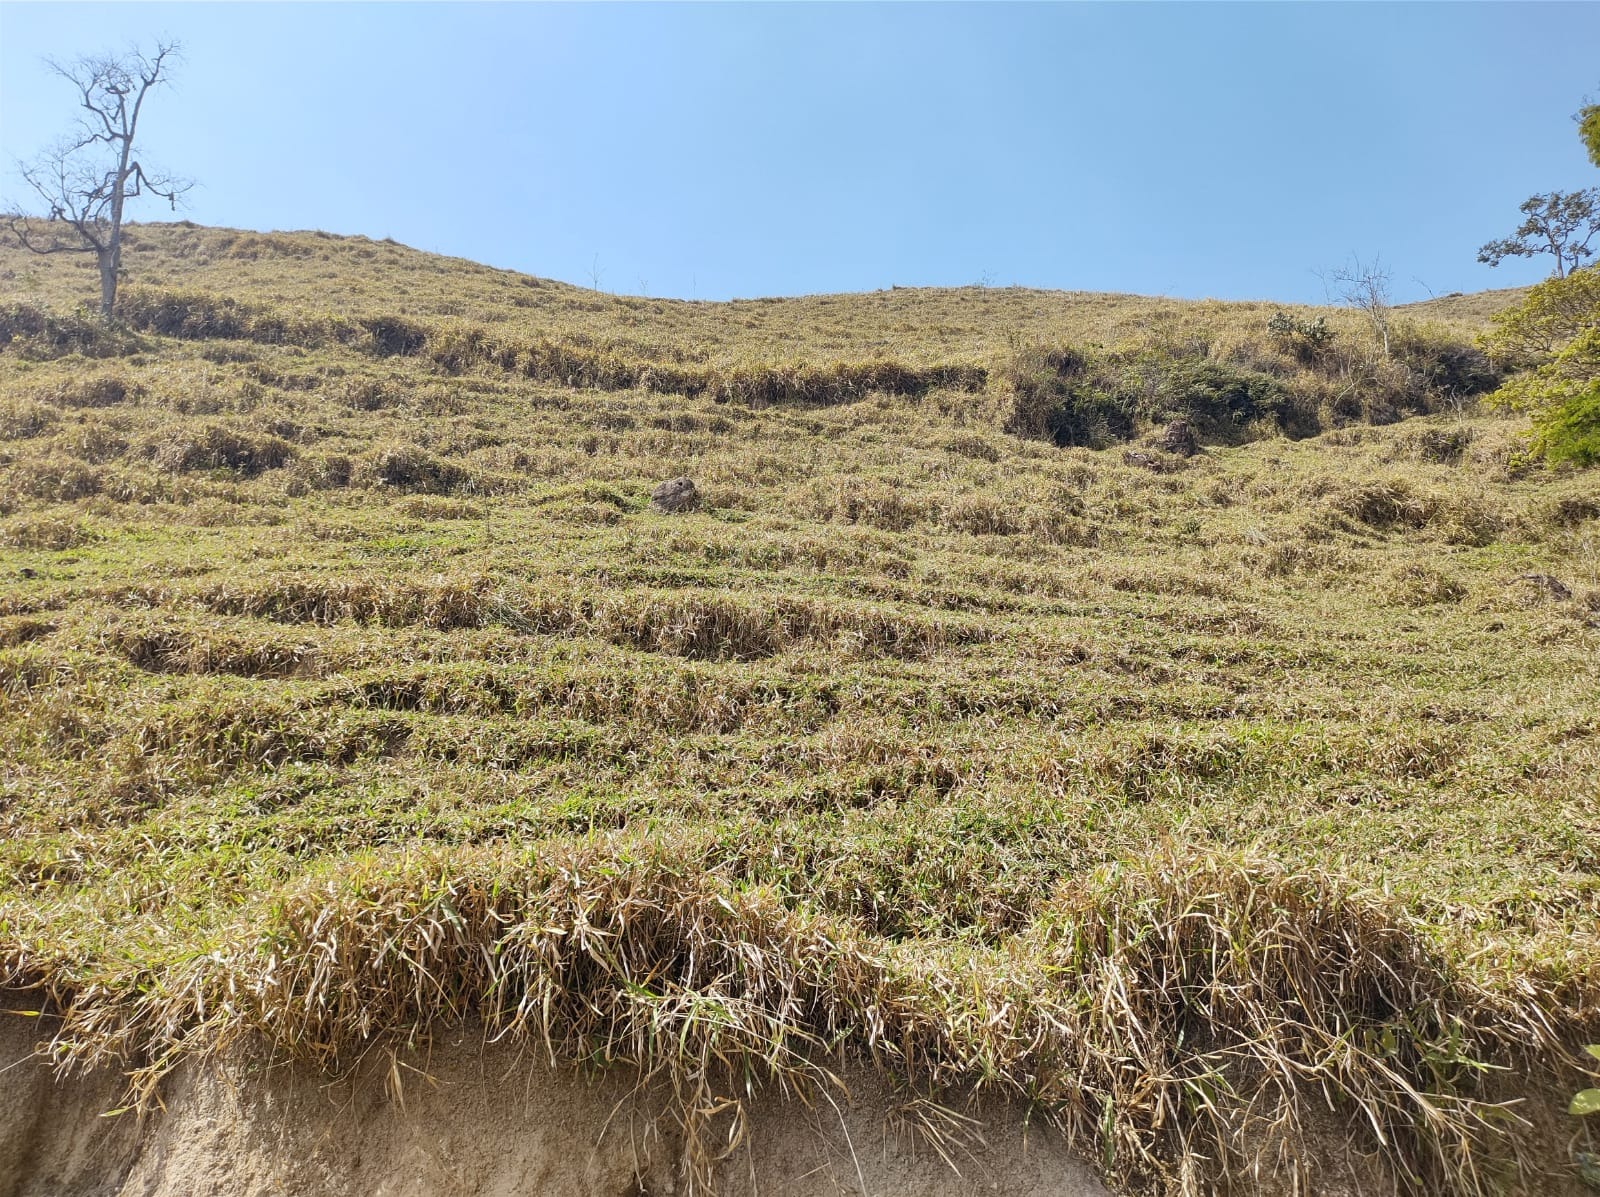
(85, 180)
(1364, 286)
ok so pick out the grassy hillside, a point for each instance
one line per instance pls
(348, 686)
(358, 277)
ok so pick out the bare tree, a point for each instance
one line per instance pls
(1365, 286)
(87, 177)
(1560, 224)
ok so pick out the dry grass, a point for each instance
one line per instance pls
(1227, 814)
(1198, 1008)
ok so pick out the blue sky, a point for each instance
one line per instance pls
(719, 150)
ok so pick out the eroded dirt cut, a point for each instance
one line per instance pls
(467, 1117)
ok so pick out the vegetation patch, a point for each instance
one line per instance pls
(1233, 389)
(688, 624)
(1269, 986)
(176, 648)
(1174, 718)
(219, 447)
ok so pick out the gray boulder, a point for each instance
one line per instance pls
(672, 497)
(1178, 438)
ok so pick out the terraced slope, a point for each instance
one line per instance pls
(348, 689)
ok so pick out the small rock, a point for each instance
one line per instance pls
(1178, 438)
(677, 495)
(1554, 587)
(1158, 463)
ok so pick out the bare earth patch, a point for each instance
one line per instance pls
(466, 1117)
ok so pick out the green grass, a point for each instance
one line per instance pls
(343, 692)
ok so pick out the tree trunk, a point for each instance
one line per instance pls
(108, 283)
(110, 258)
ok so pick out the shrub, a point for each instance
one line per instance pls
(1218, 400)
(393, 336)
(1066, 396)
(1570, 431)
(836, 382)
(1036, 389)
(1307, 341)
(1550, 316)
(1555, 332)
(174, 314)
(1054, 397)
(1564, 374)
(198, 315)
(1092, 419)
(1443, 369)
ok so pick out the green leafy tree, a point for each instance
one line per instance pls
(1570, 430)
(1589, 130)
(1554, 335)
(1548, 319)
(1558, 223)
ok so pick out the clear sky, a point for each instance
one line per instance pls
(721, 150)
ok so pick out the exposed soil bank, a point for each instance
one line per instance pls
(472, 1119)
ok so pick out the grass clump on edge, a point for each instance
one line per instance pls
(1199, 1008)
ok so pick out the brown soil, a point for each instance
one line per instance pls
(471, 1118)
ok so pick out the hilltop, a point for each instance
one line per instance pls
(974, 736)
(359, 277)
